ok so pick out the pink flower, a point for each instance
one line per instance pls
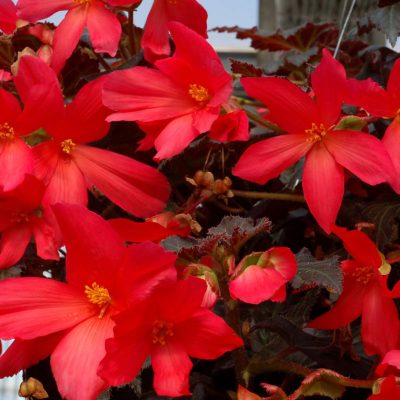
(263, 276)
(103, 25)
(184, 94)
(170, 326)
(68, 166)
(310, 126)
(71, 321)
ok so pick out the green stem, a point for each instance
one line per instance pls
(269, 196)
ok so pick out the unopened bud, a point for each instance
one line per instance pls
(32, 388)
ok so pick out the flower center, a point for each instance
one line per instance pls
(67, 146)
(82, 1)
(363, 274)
(161, 330)
(6, 131)
(199, 93)
(100, 296)
(317, 132)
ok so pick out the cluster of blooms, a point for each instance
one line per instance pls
(111, 314)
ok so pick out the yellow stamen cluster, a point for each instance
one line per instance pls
(161, 330)
(317, 132)
(98, 295)
(67, 146)
(199, 93)
(363, 274)
(82, 1)
(6, 131)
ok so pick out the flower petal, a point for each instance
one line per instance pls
(76, 358)
(47, 236)
(8, 17)
(24, 353)
(359, 246)
(207, 336)
(328, 82)
(267, 159)
(16, 160)
(368, 95)
(175, 137)
(86, 114)
(349, 305)
(323, 185)
(379, 315)
(134, 186)
(292, 109)
(171, 365)
(144, 94)
(33, 307)
(100, 20)
(67, 36)
(125, 355)
(85, 233)
(13, 244)
(33, 10)
(362, 154)
(9, 107)
(393, 85)
(256, 284)
(391, 142)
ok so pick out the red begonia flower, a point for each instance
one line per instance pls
(8, 16)
(103, 25)
(155, 40)
(364, 293)
(263, 276)
(67, 165)
(382, 103)
(170, 327)
(310, 126)
(72, 320)
(185, 92)
(389, 390)
(21, 217)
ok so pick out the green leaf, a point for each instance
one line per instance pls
(324, 273)
(352, 123)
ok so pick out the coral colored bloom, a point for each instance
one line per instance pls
(382, 103)
(389, 390)
(263, 276)
(103, 25)
(184, 94)
(170, 327)
(21, 217)
(155, 40)
(310, 126)
(68, 166)
(155, 229)
(8, 16)
(364, 293)
(72, 320)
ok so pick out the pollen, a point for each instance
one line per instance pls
(6, 131)
(161, 331)
(363, 274)
(100, 296)
(82, 1)
(316, 132)
(67, 146)
(199, 93)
